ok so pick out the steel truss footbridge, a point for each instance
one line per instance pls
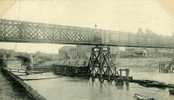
(99, 62)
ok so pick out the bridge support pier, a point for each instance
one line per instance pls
(100, 64)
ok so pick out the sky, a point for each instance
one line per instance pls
(119, 15)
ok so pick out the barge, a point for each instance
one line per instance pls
(73, 71)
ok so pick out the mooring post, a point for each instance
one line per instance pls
(115, 73)
(127, 73)
(4, 59)
(159, 67)
(120, 73)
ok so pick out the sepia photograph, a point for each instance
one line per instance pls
(86, 49)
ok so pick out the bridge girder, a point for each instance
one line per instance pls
(18, 31)
(22, 31)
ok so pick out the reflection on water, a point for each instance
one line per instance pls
(9, 92)
(65, 88)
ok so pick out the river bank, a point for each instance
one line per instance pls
(10, 91)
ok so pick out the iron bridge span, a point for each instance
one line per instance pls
(23, 31)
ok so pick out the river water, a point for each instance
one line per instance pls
(66, 88)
